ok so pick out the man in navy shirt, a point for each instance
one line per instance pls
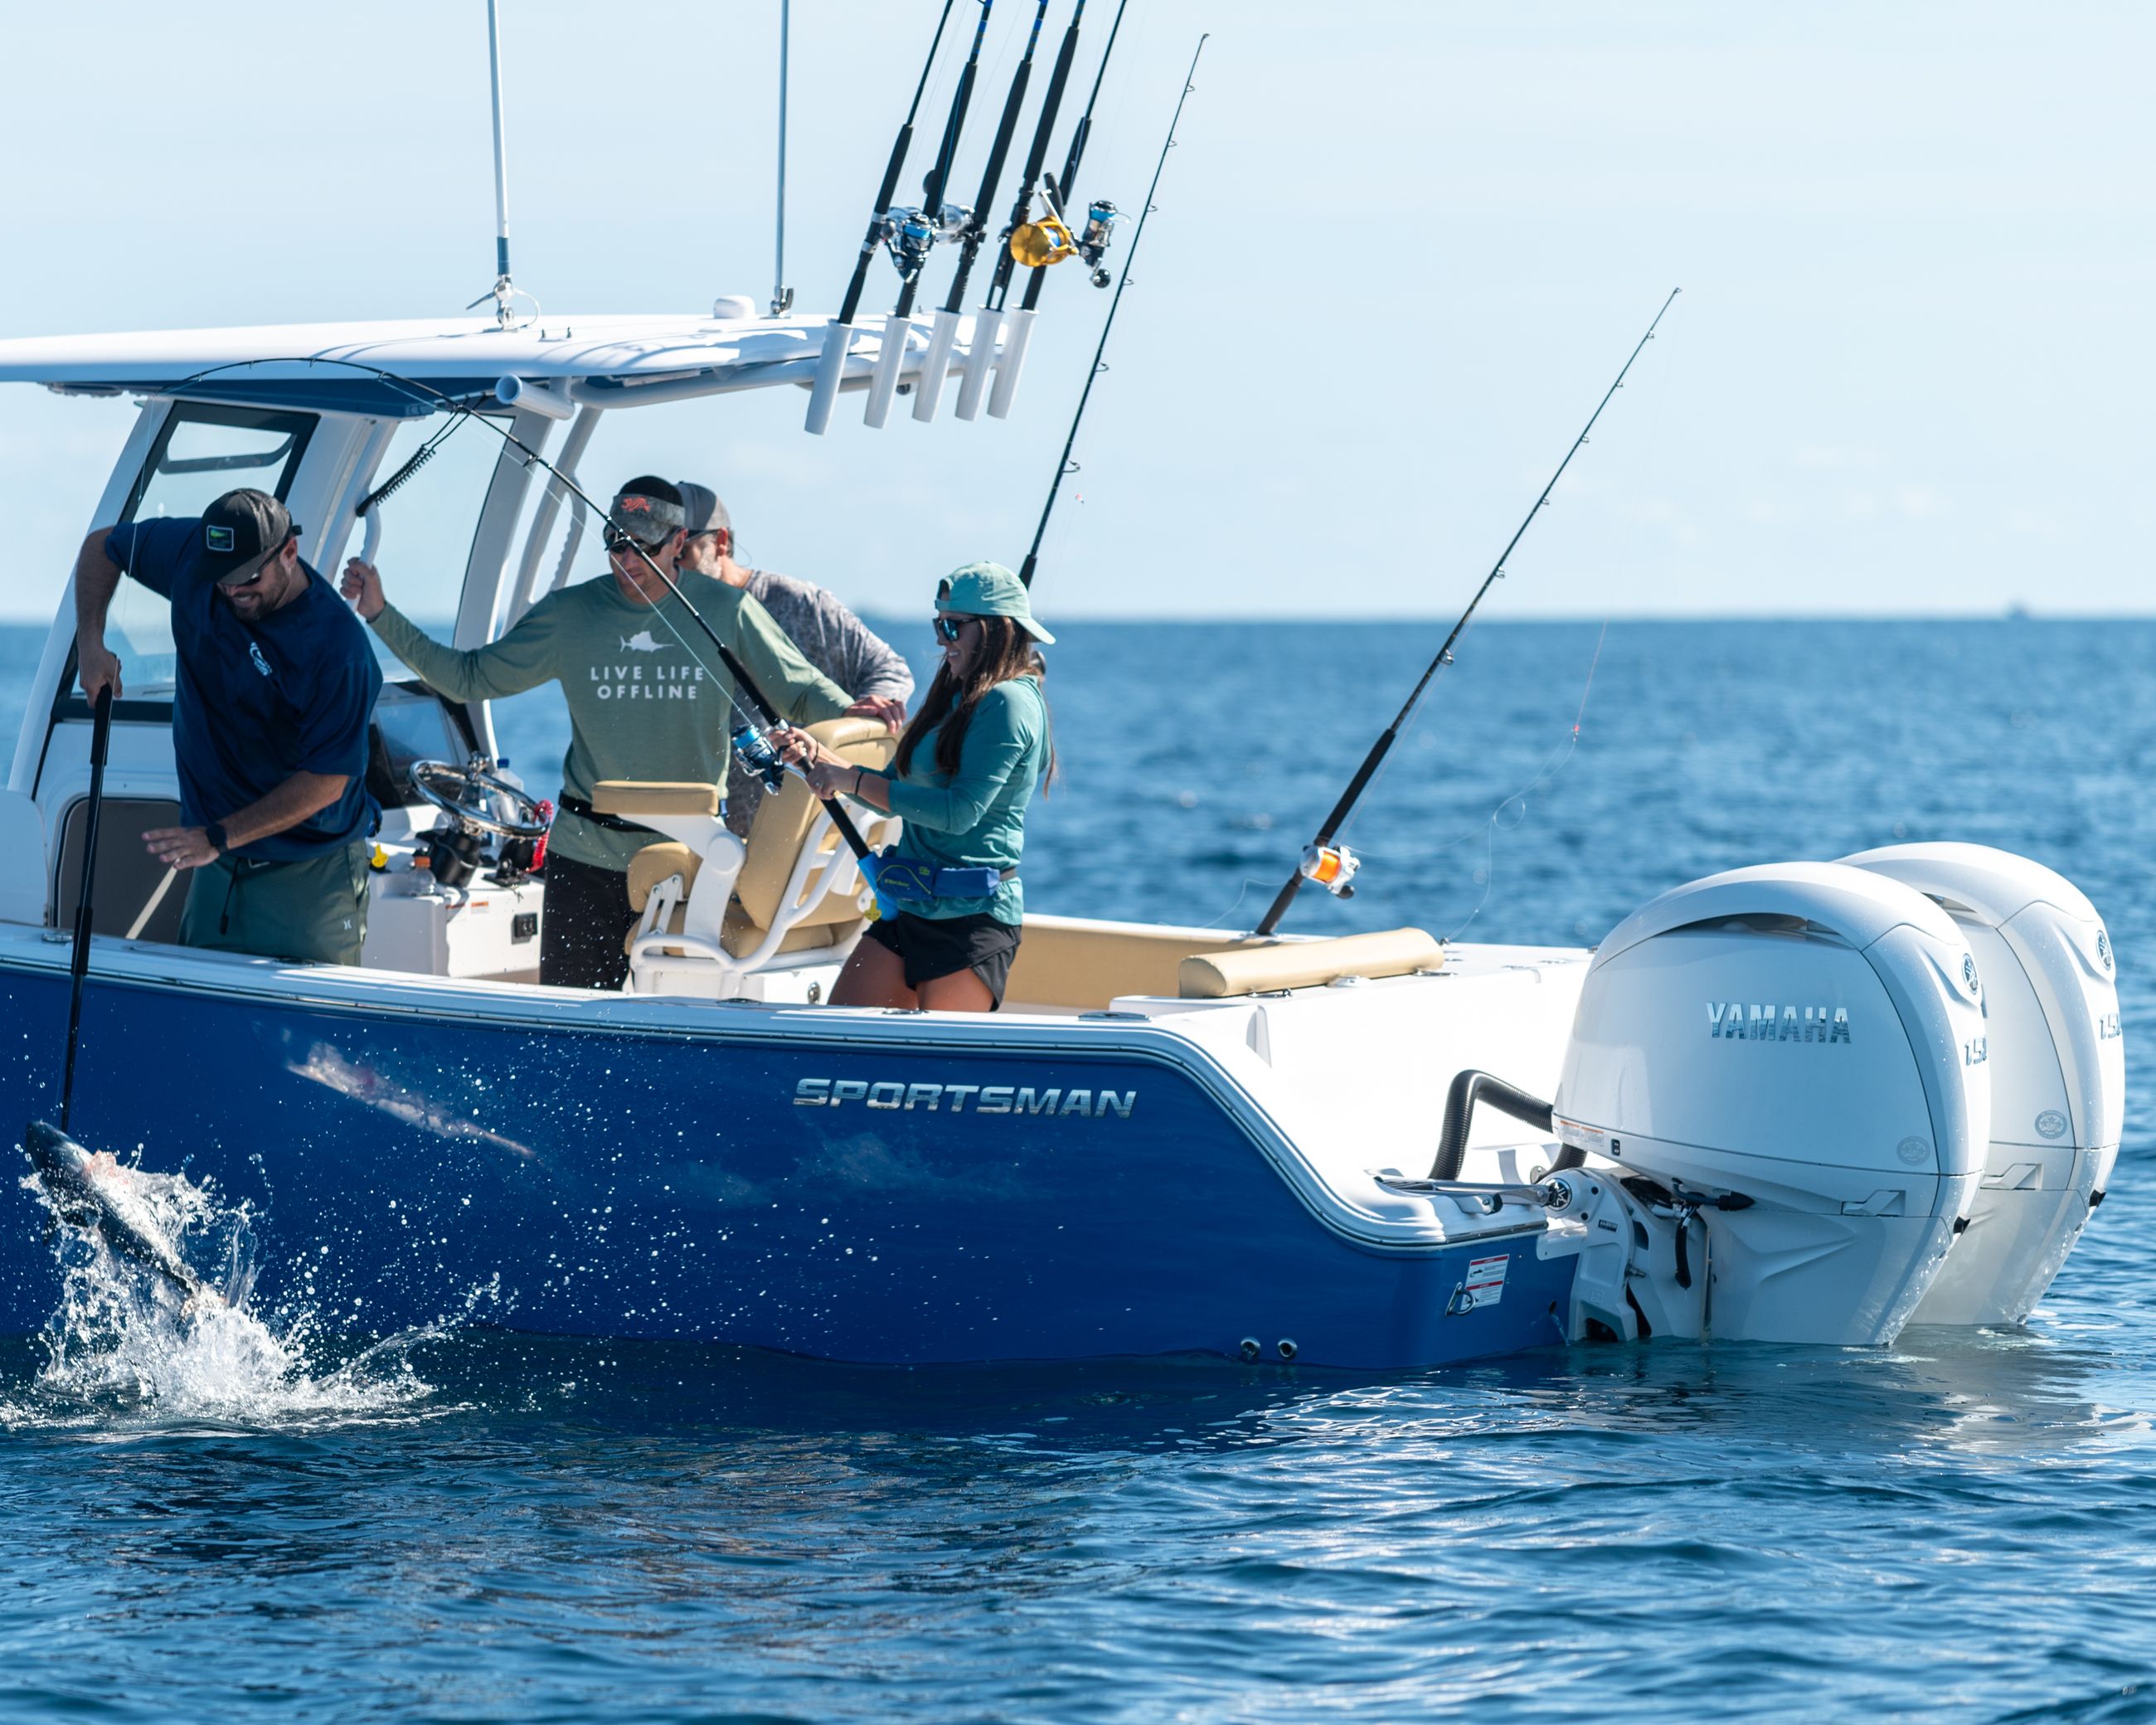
(270, 724)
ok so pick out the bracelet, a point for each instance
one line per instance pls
(858, 770)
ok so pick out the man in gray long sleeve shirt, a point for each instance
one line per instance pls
(830, 636)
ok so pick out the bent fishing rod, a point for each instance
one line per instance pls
(760, 712)
(839, 337)
(1334, 869)
(1064, 466)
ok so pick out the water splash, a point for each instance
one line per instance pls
(125, 1346)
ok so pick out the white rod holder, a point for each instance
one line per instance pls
(1018, 331)
(980, 362)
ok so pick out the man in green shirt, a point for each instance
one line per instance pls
(648, 699)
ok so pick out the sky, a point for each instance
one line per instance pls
(1400, 251)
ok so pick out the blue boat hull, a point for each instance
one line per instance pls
(629, 1183)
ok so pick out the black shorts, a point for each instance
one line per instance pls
(930, 947)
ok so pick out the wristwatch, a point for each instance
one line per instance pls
(214, 832)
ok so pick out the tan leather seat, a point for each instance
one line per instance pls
(782, 825)
(777, 885)
(655, 863)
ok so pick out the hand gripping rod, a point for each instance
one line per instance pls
(1382, 747)
(838, 335)
(1063, 466)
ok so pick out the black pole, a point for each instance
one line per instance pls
(1382, 747)
(100, 740)
(889, 189)
(1063, 462)
(939, 176)
(1076, 152)
(969, 241)
(1035, 156)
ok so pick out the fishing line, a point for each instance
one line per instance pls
(759, 714)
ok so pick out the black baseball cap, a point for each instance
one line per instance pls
(241, 532)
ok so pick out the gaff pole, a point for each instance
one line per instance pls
(1382, 747)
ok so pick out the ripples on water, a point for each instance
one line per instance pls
(472, 1525)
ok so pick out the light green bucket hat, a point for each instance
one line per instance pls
(990, 590)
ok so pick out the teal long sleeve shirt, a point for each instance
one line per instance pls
(975, 818)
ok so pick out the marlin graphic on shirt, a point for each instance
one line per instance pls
(641, 642)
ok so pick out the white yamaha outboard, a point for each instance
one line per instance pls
(1787, 1062)
(2058, 1070)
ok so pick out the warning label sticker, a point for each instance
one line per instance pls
(1486, 1280)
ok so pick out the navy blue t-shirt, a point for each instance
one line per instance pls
(259, 701)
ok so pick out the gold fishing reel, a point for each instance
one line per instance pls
(1037, 244)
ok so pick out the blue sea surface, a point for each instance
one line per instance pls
(494, 1527)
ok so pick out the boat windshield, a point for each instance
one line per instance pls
(202, 450)
(428, 526)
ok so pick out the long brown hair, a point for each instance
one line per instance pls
(1007, 651)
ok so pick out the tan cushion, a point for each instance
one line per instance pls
(1083, 964)
(740, 936)
(630, 798)
(1305, 964)
(654, 863)
(783, 822)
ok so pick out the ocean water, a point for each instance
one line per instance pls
(464, 1524)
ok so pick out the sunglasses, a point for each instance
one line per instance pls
(242, 585)
(618, 542)
(949, 629)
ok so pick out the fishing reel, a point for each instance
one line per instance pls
(479, 806)
(911, 233)
(1332, 866)
(1099, 233)
(1051, 240)
(756, 753)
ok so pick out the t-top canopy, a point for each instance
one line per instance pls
(596, 360)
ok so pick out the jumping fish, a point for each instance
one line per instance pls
(91, 1190)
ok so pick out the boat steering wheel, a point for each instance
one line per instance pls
(478, 801)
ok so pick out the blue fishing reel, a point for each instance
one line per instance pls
(754, 751)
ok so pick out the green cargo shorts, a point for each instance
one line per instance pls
(311, 911)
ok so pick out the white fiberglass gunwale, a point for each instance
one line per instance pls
(1361, 1211)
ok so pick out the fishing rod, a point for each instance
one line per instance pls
(940, 338)
(1333, 867)
(1065, 465)
(838, 333)
(1048, 243)
(914, 232)
(988, 320)
(760, 709)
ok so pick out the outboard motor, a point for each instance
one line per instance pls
(1789, 1061)
(2058, 1070)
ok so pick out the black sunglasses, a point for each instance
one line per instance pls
(948, 629)
(618, 541)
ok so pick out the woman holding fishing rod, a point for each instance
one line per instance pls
(965, 771)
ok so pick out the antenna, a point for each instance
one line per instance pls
(503, 287)
(781, 296)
